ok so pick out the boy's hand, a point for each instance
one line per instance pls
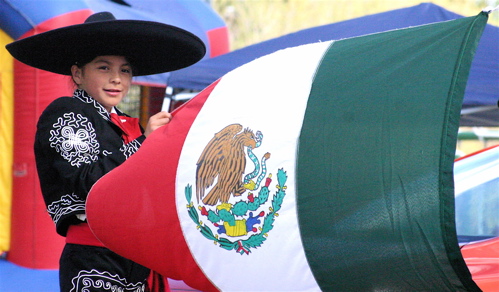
(156, 121)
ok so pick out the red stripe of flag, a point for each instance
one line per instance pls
(148, 228)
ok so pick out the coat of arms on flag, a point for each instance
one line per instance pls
(330, 162)
(235, 202)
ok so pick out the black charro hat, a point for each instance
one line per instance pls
(151, 47)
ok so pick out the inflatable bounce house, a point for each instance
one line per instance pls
(26, 231)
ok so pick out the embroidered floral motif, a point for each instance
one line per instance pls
(130, 148)
(90, 280)
(66, 205)
(75, 139)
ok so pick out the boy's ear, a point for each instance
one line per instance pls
(76, 74)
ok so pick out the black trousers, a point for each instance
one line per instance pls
(92, 268)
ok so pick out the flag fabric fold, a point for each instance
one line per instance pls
(321, 167)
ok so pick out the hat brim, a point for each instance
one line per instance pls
(151, 47)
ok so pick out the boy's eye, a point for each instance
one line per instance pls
(103, 68)
(126, 70)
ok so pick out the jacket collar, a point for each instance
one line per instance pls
(86, 98)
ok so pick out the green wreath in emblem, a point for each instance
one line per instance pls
(226, 218)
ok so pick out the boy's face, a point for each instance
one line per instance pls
(106, 78)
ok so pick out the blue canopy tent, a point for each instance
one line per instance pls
(482, 92)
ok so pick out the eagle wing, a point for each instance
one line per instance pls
(212, 160)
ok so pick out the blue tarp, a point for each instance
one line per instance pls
(483, 83)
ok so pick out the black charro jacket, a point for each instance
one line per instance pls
(76, 144)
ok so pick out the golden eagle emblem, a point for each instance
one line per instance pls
(223, 160)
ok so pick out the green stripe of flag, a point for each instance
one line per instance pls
(374, 173)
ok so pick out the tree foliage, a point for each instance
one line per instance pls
(253, 21)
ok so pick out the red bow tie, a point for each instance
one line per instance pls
(129, 126)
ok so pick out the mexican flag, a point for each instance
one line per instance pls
(326, 166)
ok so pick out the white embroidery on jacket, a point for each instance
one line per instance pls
(83, 96)
(130, 148)
(66, 205)
(86, 280)
(75, 139)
